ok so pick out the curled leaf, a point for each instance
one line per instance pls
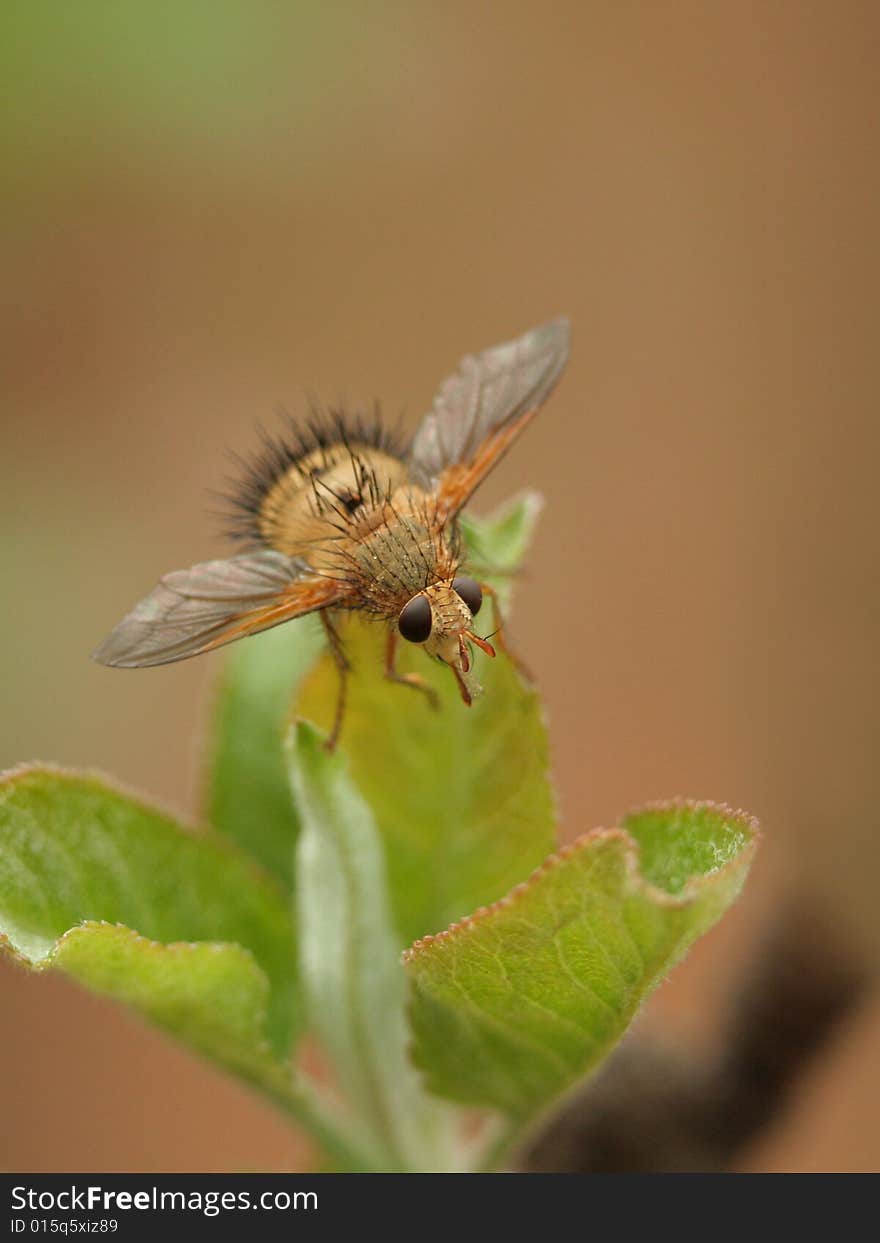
(512, 1006)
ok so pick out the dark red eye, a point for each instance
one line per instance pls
(470, 592)
(414, 622)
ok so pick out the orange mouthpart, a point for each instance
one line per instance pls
(481, 643)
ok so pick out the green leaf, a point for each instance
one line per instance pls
(248, 792)
(78, 856)
(210, 995)
(175, 923)
(512, 1006)
(461, 796)
(353, 983)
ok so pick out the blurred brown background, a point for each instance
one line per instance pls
(212, 208)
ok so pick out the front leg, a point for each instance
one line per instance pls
(342, 667)
(499, 635)
(406, 679)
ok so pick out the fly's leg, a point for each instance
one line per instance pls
(406, 679)
(499, 635)
(343, 668)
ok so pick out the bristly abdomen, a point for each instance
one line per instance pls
(298, 454)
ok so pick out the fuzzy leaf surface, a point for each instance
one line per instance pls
(511, 1007)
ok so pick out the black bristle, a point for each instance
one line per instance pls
(279, 451)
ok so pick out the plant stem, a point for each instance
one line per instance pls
(333, 1133)
(498, 1148)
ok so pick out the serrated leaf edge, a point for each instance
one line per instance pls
(275, 1076)
(636, 881)
(88, 925)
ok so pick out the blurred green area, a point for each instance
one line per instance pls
(169, 81)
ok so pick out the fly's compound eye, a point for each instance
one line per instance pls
(470, 592)
(414, 622)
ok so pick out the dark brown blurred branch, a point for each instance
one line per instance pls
(650, 1110)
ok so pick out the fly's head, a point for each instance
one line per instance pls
(441, 619)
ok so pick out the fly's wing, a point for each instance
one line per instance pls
(193, 611)
(480, 410)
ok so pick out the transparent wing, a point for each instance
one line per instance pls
(193, 611)
(481, 409)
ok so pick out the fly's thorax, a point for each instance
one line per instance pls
(402, 555)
